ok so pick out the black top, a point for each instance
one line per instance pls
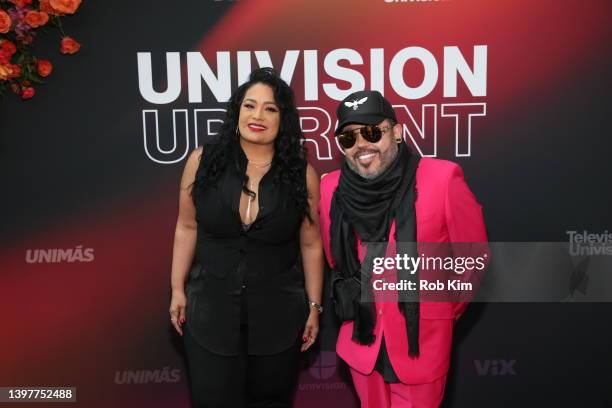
(258, 266)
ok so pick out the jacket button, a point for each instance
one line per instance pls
(380, 311)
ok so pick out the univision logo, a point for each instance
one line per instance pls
(322, 370)
(325, 366)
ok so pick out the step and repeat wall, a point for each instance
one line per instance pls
(515, 91)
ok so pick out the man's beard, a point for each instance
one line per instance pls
(386, 159)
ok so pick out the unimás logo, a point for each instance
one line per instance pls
(494, 367)
(58, 255)
(163, 375)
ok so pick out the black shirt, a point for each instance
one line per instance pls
(259, 266)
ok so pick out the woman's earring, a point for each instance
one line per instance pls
(237, 132)
(398, 140)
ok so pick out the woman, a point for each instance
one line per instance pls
(247, 266)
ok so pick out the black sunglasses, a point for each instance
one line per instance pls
(371, 133)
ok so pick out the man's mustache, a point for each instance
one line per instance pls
(364, 151)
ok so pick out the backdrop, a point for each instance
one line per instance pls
(515, 91)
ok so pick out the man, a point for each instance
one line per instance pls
(398, 352)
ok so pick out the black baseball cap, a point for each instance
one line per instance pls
(364, 107)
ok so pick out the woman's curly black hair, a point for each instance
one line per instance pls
(289, 153)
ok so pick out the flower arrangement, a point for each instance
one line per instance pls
(20, 22)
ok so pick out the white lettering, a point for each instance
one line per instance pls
(333, 69)
(396, 72)
(145, 78)
(198, 69)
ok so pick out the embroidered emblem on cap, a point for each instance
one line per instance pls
(355, 104)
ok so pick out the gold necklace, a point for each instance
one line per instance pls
(259, 164)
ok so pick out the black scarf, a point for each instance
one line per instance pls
(367, 207)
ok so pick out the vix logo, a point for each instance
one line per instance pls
(355, 104)
(494, 367)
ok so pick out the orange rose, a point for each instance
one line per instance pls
(4, 72)
(46, 7)
(69, 45)
(44, 68)
(9, 71)
(21, 3)
(8, 47)
(65, 6)
(5, 22)
(7, 50)
(15, 71)
(36, 19)
(27, 93)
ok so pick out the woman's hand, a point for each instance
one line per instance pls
(177, 310)
(311, 330)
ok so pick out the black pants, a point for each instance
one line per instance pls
(243, 380)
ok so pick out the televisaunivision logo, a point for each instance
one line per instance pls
(585, 243)
(58, 255)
